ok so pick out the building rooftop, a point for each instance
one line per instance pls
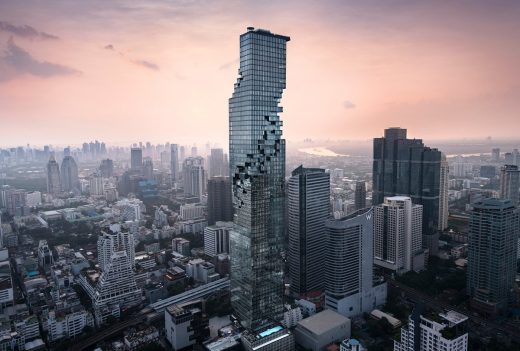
(454, 317)
(322, 322)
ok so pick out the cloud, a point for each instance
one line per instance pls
(16, 61)
(25, 31)
(109, 47)
(147, 64)
(348, 104)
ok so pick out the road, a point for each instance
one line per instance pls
(490, 327)
(109, 332)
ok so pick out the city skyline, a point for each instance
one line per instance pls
(67, 74)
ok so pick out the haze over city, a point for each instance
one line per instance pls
(125, 71)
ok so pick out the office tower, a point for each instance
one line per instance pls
(510, 183)
(220, 206)
(444, 193)
(495, 155)
(349, 280)
(360, 196)
(398, 235)
(66, 151)
(216, 163)
(194, 177)
(447, 331)
(148, 168)
(257, 161)
(216, 238)
(53, 177)
(174, 162)
(406, 167)
(107, 168)
(136, 158)
(114, 240)
(492, 251)
(45, 258)
(194, 152)
(308, 196)
(69, 174)
(1, 233)
(182, 154)
(509, 158)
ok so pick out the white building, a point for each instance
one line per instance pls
(201, 271)
(191, 211)
(130, 209)
(96, 186)
(349, 280)
(273, 338)
(445, 332)
(178, 326)
(216, 238)
(67, 325)
(33, 199)
(114, 240)
(291, 316)
(398, 235)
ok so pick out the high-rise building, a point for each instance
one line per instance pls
(406, 167)
(510, 183)
(398, 235)
(174, 162)
(107, 168)
(220, 206)
(194, 177)
(115, 240)
(492, 252)
(69, 174)
(136, 158)
(96, 185)
(308, 196)
(53, 177)
(257, 161)
(148, 168)
(444, 194)
(447, 331)
(216, 238)
(360, 196)
(217, 164)
(495, 155)
(350, 287)
(45, 258)
(186, 324)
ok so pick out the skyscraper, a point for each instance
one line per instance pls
(53, 177)
(148, 168)
(510, 183)
(136, 158)
(107, 168)
(493, 235)
(174, 162)
(257, 164)
(69, 174)
(220, 206)
(406, 167)
(360, 196)
(114, 240)
(398, 235)
(495, 154)
(349, 264)
(216, 163)
(308, 196)
(444, 193)
(194, 177)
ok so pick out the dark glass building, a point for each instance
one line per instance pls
(220, 206)
(406, 167)
(493, 235)
(257, 165)
(308, 208)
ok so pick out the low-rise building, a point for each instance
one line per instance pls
(316, 332)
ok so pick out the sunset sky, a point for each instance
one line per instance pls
(125, 71)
